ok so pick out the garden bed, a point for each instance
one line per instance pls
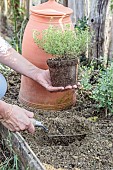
(90, 146)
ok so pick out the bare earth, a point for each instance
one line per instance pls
(90, 146)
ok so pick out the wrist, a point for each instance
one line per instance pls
(5, 110)
(34, 73)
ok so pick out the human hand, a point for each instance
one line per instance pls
(43, 77)
(18, 119)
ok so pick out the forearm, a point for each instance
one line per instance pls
(17, 62)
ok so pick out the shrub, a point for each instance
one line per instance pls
(103, 92)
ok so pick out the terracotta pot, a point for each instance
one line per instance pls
(63, 71)
(31, 93)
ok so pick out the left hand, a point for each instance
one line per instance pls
(44, 79)
(18, 118)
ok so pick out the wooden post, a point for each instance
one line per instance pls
(5, 7)
(71, 4)
(27, 8)
(36, 2)
(97, 19)
(80, 9)
(110, 48)
(3, 15)
(108, 35)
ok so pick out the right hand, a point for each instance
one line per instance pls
(43, 78)
(19, 120)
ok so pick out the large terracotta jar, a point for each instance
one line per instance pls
(31, 93)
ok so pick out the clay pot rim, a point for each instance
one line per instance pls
(44, 9)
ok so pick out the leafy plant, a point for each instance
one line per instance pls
(85, 75)
(100, 85)
(111, 5)
(82, 24)
(103, 92)
(62, 43)
(18, 22)
(11, 161)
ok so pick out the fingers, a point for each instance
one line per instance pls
(31, 128)
(8, 126)
(78, 84)
(68, 87)
(51, 88)
(19, 120)
(28, 125)
(75, 86)
(29, 114)
(11, 127)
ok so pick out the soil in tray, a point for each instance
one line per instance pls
(91, 152)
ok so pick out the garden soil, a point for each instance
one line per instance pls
(90, 146)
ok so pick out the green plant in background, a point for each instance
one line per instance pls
(65, 43)
(103, 92)
(19, 23)
(85, 75)
(98, 84)
(11, 161)
(111, 5)
(82, 24)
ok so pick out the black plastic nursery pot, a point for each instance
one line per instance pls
(63, 71)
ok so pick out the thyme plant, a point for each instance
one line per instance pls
(62, 43)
